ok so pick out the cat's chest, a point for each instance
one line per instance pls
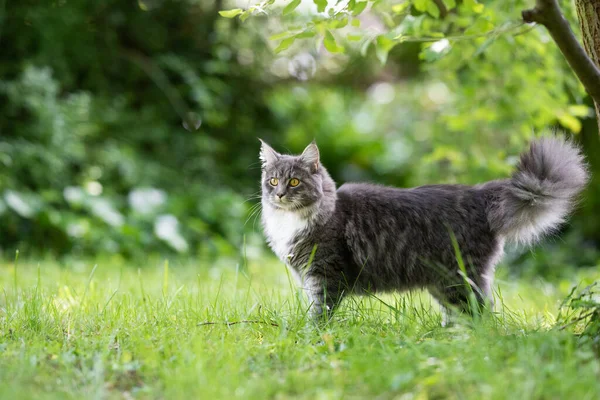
(281, 227)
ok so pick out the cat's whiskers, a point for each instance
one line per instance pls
(254, 211)
(253, 196)
(258, 215)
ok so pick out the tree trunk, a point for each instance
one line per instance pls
(588, 12)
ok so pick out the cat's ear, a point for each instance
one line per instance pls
(267, 154)
(310, 155)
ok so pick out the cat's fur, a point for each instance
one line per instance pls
(369, 238)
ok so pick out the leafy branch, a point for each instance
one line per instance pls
(409, 29)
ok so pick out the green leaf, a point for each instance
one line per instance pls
(474, 6)
(354, 37)
(428, 6)
(383, 45)
(279, 36)
(450, 4)
(409, 25)
(231, 13)
(285, 44)
(321, 5)
(480, 26)
(400, 8)
(570, 122)
(245, 15)
(420, 5)
(579, 110)
(338, 24)
(359, 8)
(355, 22)
(364, 48)
(291, 7)
(305, 35)
(388, 19)
(433, 9)
(330, 43)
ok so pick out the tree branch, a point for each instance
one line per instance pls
(547, 13)
(442, 7)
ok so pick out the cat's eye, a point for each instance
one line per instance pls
(294, 182)
(274, 181)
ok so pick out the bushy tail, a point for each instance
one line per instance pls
(541, 193)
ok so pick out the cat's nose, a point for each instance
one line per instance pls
(280, 195)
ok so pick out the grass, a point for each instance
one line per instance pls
(119, 331)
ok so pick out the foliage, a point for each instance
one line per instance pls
(484, 82)
(130, 127)
(78, 331)
(581, 309)
(94, 154)
(466, 49)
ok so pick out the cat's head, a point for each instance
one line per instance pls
(290, 182)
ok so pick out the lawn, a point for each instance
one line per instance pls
(109, 329)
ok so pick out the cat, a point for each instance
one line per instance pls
(364, 238)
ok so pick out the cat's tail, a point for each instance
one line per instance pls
(541, 192)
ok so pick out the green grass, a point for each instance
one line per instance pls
(119, 331)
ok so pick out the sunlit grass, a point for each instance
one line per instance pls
(110, 330)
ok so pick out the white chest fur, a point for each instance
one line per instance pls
(280, 228)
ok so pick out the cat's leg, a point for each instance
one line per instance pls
(461, 293)
(485, 283)
(456, 296)
(446, 315)
(324, 295)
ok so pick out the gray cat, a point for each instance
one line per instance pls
(364, 238)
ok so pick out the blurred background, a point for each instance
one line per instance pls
(129, 128)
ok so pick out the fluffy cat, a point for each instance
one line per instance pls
(365, 238)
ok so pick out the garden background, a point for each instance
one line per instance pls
(129, 142)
